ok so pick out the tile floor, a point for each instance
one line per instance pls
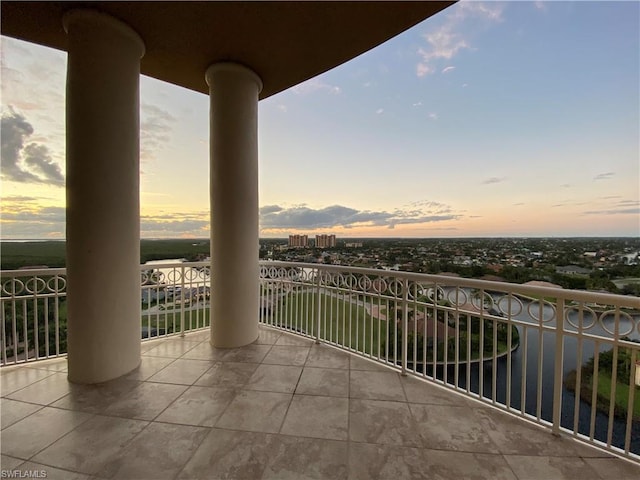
(281, 408)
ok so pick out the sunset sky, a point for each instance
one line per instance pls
(487, 120)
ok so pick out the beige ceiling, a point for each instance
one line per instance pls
(284, 42)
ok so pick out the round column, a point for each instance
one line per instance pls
(235, 296)
(103, 196)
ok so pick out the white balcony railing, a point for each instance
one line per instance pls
(566, 359)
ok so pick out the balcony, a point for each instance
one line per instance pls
(283, 407)
(356, 374)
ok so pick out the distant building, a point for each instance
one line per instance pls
(298, 240)
(353, 245)
(573, 270)
(630, 259)
(325, 241)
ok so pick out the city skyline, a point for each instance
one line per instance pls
(517, 119)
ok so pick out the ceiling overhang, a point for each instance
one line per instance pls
(285, 43)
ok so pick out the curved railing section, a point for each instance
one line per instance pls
(563, 358)
(175, 297)
(566, 359)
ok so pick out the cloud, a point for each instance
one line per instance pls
(447, 69)
(379, 111)
(282, 108)
(195, 224)
(433, 116)
(316, 85)
(275, 217)
(519, 204)
(628, 203)
(33, 79)
(417, 104)
(267, 209)
(492, 180)
(565, 185)
(156, 126)
(21, 199)
(431, 206)
(423, 69)
(26, 162)
(447, 40)
(604, 176)
(23, 217)
(614, 211)
(542, 6)
(37, 156)
(620, 207)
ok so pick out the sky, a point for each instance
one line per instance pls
(514, 119)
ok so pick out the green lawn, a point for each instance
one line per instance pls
(344, 322)
(341, 321)
(169, 320)
(622, 395)
(604, 392)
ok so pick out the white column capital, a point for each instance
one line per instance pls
(234, 68)
(95, 20)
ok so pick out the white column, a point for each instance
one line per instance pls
(103, 199)
(235, 297)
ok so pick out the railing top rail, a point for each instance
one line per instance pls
(505, 287)
(33, 272)
(147, 266)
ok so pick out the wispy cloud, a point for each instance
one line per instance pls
(542, 6)
(604, 176)
(430, 206)
(192, 224)
(379, 111)
(25, 217)
(282, 108)
(302, 217)
(447, 40)
(628, 203)
(26, 162)
(492, 180)
(422, 69)
(316, 85)
(30, 84)
(433, 116)
(417, 104)
(616, 207)
(614, 211)
(156, 126)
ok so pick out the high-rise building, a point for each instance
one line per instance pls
(298, 240)
(325, 241)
